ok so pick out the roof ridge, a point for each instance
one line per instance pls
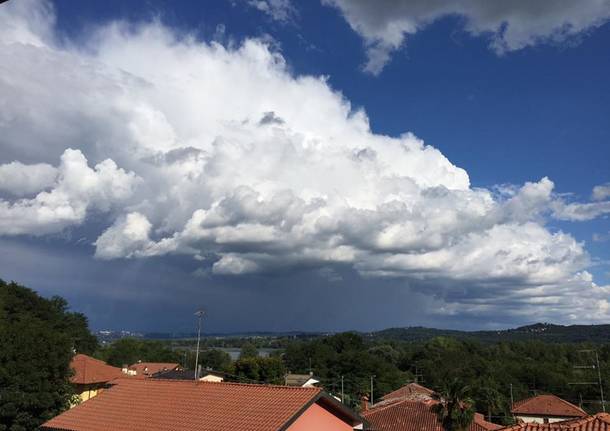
(203, 382)
(394, 404)
(568, 403)
(588, 418)
(603, 416)
(89, 358)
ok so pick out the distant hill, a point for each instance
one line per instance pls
(540, 331)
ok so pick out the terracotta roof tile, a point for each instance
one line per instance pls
(409, 415)
(411, 391)
(150, 368)
(170, 405)
(88, 370)
(547, 405)
(598, 422)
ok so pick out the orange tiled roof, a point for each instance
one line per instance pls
(409, 415)
(88, 370)
(598, 422)
(547, 405)
(150, 368)
(412, 391)
(170, 405)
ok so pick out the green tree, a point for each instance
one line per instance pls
(455, 408)
(127, 351)
(490, 398)
(264, 370)
(215, 359)
(38, 337)
(248, 350)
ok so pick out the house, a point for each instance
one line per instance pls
(91, 376)
(301, 380)
(546, 408)
(410, 391)
(204, 375)
(147, 369)
(156, 405)
(597, 422)
(413, 415)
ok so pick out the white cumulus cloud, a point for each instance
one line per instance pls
(20, 180)
(601, 192)
(222, 154)
(124, 237)
(78, 189)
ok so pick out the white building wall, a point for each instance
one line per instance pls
(541, 419)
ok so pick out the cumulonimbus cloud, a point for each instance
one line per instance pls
(223, 154)
(510, 25)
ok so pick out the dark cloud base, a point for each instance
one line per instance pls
(160, 294)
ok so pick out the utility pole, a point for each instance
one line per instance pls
(342, 393)
(199, 315)
(599, 379)
(512, 400)
(372, 377)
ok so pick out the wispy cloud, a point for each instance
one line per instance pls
(278, 10)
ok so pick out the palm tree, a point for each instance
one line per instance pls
(491, 398)
(455, 408)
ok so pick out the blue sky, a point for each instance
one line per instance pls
(537, 109)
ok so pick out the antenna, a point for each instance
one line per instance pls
(199, 315)
(599, 382)
(419, 375)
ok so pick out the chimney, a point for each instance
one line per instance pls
(364, 403)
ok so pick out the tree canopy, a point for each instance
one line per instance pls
(38, 337)
(127, 351)
(491, 370)
(248, 350)
(455, 408)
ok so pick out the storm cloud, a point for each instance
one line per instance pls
(220, 153)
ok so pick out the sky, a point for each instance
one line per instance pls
(308, 166)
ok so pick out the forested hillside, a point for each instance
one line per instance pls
(540, 331)
(489, 369)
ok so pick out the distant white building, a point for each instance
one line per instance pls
(302, 380)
